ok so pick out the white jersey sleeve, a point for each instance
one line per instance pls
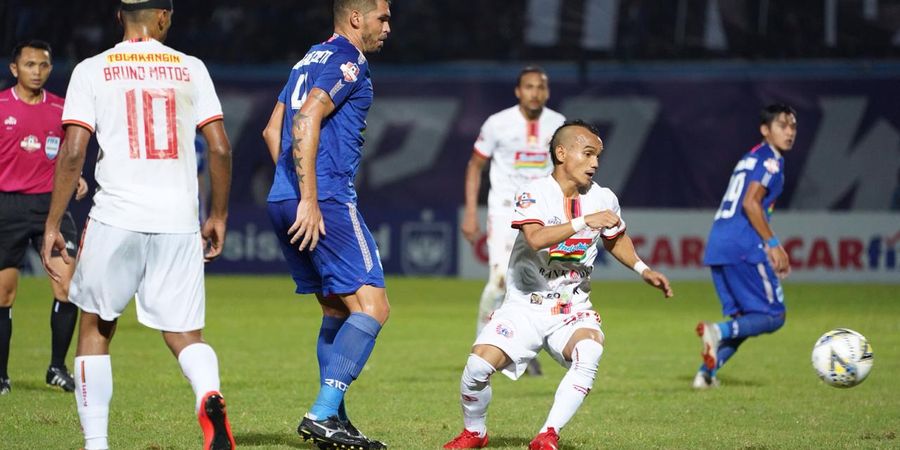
(610, 200)
(531, 206)
(79, 106)
(487, 139)
(208, 107)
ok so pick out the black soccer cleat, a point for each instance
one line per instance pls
(330, 433)
(4, 386)
(373, 443)
(60, 377)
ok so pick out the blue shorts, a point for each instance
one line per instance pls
(346, 257)
(748, 288)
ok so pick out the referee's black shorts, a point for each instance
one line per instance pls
(22, 218)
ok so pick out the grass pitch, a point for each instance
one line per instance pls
(407, 395)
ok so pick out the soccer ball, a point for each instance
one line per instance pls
(842, 358)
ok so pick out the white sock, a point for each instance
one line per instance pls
(201, 367)
(475, 393)
(575, 385)
(491, 299)
(93, 392)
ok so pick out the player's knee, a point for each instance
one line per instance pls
(586, 357)
(7, 296)
(776, 322)
(477, 373)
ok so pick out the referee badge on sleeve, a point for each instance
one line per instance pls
(51, 146)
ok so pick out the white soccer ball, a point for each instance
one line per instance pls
(842, 358)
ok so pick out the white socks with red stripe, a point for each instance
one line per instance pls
(201, 367)
(576, 384)
(475, 393)
(93, 391)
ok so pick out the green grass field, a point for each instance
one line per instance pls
(407, 395)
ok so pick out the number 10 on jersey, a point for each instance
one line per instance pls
(158, 108)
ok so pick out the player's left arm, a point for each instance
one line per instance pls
(753, 208)
(69, 163)
(622, 248)
(219, 156)
(272, 133)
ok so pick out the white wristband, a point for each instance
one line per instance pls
(578, 224)
(640, 267)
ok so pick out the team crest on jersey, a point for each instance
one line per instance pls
(505, 331)
(570, 250)
(51, 146)
(772, 165)
(10, 121)
(525, 200)
(350, 71)
(30, 144)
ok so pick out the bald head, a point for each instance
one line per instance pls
(573, 134)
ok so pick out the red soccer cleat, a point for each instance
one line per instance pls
(468, 439)
(214, 422)
(548, 440)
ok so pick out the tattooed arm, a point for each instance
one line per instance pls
(305, 129)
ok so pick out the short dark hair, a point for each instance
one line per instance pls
(554, 141)
(529, 69)
(342, 6)
(769, 113)
(34, 43)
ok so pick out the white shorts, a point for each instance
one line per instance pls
(521, 332)
(164, 272)
(501, 237)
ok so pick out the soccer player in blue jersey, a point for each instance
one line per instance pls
(746, 258)
(312, 204)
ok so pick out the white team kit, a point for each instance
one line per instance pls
(519, 152)
(145, 102)
(548, 291)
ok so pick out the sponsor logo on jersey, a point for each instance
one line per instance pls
(772, 165)
(570, 250)
(143, 58)
(536, 299)
(554, 221)
(30, 144)
(10, 121)
(51, 146)
(531, 160)
(525, 200)
(350, 71)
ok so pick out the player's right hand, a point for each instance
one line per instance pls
(470, 229)
(780, 261)
(602, 219)
(213, 238)
(53, 240)
(308, 225)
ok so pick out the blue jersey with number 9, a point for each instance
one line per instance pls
(732, 238)
(340, 69)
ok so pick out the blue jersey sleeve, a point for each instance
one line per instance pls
(767, 168)
(340, 76)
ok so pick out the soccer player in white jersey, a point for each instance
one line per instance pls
(145, 101)
(561, 219)
(515, 141)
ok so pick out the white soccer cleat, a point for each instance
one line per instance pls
(704, 381)
(710, 336)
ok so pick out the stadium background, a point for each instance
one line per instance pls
(674, 86)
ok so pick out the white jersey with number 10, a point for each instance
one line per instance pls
(145, 101)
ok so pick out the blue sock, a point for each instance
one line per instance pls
(749, 325)
(727, 348)
(351, 349)
(329, 329)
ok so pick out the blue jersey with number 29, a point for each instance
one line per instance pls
(732, 238)
(338, 68)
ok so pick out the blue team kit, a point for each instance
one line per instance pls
(345, 257)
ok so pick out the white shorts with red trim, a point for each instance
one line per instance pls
(521, 332)
(163, 272)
